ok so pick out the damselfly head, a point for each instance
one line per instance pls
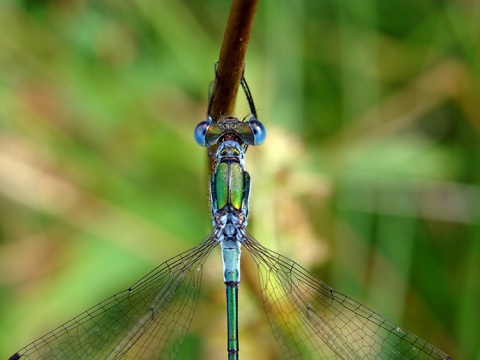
(209, 132)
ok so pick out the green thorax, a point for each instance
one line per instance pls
(229, 185)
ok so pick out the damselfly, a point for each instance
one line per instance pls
(150, 319)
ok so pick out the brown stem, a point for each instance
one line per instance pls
(232, 58)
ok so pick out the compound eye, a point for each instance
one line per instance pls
(200, 132)
(258, 130)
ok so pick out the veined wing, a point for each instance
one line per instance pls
(148, 320)
(312, 321)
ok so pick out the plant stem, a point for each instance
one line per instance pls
(231, 61)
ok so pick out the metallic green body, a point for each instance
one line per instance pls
(229, 185)
(229, 189)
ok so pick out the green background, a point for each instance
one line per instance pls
(368, 177)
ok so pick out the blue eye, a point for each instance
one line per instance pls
(258, 130)
(201, 131)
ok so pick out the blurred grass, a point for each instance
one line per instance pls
(369, 175)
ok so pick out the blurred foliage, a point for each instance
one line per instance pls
(368, 176)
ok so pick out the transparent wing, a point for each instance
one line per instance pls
(312, 321)
(147, 321)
